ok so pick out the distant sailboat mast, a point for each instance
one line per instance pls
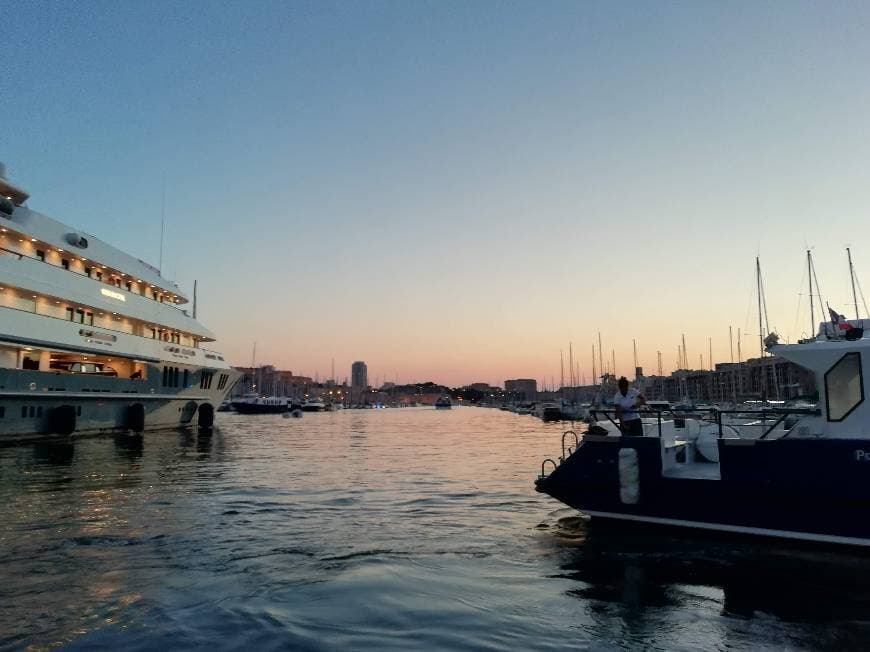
(852, 278)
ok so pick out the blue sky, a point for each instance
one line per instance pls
(454, 190)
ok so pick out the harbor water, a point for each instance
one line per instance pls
(393, 529)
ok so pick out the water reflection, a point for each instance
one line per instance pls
(339, 530)
(55, 453)
(643, 572)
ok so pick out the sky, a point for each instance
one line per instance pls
(454, 191)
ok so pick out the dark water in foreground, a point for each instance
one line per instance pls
(388, 530)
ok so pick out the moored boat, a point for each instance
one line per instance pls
(801, 475)
(443, 403)
(92, 339)
(314, 404)
(261, 405)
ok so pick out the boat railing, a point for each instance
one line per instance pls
(570, 450)
(544, 464)
(776, 416)
(21, 256)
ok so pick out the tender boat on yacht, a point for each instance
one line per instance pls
(805, 476)
(93, 340)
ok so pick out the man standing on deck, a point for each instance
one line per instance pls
(626, 401)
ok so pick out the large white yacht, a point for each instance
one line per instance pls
(93, 340)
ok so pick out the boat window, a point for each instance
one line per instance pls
(844, 387)
(65, 263)
(40, 254)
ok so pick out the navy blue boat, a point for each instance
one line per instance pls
(804, 474)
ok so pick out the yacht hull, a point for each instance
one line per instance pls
(813, 490)
(31, 400)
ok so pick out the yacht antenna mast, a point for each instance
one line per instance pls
(561, 371)
(852, 277)
(194, 298)
(162, 220)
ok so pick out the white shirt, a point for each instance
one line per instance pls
(627, 403)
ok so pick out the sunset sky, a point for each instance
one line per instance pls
(455, 190)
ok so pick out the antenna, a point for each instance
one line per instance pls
(162, 220)
(613, 353)
(852, 277)
(561, 370)
(660, 362)
(194, 298)
(634, 345)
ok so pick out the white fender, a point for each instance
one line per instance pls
(629, 476)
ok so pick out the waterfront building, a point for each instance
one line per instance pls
(359, 381)
(521, 389)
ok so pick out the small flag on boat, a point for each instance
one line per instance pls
(839, 320)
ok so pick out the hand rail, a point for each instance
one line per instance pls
(576, 442)
(544, 463)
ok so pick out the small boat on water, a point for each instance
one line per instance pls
(261, 405)
(549, 411)
(314, 404)
(443, 403)
(801, 473)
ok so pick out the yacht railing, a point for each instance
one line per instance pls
(95, 280)
(217, 355)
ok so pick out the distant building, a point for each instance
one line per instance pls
(269, 381)
(521, 389)
(359, 379)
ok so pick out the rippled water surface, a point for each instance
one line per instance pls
(377, 529)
